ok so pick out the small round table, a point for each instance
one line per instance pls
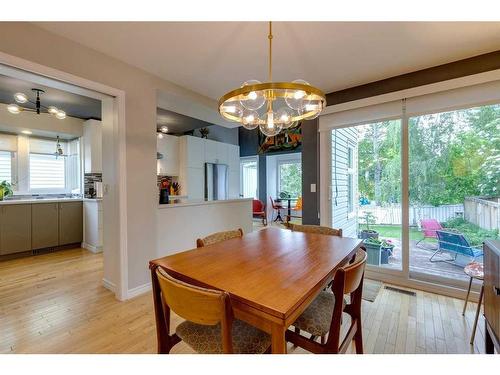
(475, 271)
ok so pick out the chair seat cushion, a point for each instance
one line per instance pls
(207, 339)
(316, 319)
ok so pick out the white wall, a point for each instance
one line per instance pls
(34, 44)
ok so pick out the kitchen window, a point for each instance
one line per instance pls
(6, 166)
(47, 172)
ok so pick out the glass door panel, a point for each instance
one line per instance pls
(454, 171)
(249, 178)
(366, 188)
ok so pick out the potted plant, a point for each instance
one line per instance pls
(5, 189)
(368, 218)
(372, 246)
(386, 248)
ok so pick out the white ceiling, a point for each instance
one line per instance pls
(213, 57)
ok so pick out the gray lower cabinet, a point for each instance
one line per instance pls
(15, 228)
(70, 222)
(44, 225)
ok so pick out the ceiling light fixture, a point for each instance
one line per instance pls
(164, 129)
(39, 108)
(28, 132)
(272, 106)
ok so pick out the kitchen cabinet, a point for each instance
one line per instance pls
(168, 146)
(70, 222)
(15, 228)
(92, 146)
(195, 183)
(210, 151)
(194, 152)
(44, 225)
(92, 225)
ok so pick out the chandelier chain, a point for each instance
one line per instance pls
(270, 36)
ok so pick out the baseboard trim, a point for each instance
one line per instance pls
(137, 291)
(109, 285)
(94, 249)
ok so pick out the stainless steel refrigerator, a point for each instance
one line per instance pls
(216, 181)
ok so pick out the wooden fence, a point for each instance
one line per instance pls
(391, 215)
(483, 211)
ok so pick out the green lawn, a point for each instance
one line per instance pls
(394, 231)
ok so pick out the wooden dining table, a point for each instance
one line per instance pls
(271, 275)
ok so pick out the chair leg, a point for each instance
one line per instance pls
(323, 340)
(477, 314)
(467, 296)
(358, 338)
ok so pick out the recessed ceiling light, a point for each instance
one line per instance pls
(164, 129)
(160, 135)
(26, 132)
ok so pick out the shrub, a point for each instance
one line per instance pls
(472, 232)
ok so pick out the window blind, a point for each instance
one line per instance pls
(46, 146)
(47, 171)
(5, 166)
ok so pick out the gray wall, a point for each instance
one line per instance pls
(221, 134)
(310, 172)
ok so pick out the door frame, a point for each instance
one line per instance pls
(114, 127)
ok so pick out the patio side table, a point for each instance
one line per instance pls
(474, 270)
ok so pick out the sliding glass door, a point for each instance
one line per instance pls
(366, 188)
(454, 170)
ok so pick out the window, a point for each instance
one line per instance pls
(47, 172)
(350, 179)
(249, 177)
(290, 178)
(6, 166)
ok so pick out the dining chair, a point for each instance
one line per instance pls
(316, 229)
(276, 207)
(219, 237)
(324, 315)
(210, 327)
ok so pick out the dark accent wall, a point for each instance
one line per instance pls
(263, 180)
(456, 69)
(310, 172)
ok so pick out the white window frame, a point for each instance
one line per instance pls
(244, 160)
(402, 277)
(13, 168)
(281, 162)
(64, 190)
(351, 173)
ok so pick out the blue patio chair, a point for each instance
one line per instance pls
(455, 243)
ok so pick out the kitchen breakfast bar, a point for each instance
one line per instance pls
(179, 224)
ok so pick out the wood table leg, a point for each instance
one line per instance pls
(278, 343)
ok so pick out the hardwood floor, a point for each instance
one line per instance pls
(55, 303)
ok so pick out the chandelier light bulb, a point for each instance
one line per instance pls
(14, 109)
(53, 110)
(61, 115)
(20, 97)
(250, 119)
(270, 127)
(254, 100)
(284, 116)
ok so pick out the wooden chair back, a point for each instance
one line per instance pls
(316, 229)
(353, 272)
(219, 237)
(198, 305)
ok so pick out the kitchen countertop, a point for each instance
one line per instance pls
(187, 202)
(44, 200)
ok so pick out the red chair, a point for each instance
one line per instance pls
(259, 210)
(429, 228)
(276, 207)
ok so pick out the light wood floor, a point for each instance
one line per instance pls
(55, 303)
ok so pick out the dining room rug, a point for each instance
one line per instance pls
(371, 288)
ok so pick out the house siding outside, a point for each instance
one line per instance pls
(343, 216)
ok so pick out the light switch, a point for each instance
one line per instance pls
(313, 188)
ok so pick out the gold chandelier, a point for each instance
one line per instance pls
(272, 106)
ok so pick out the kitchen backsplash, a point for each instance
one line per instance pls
(89, 180)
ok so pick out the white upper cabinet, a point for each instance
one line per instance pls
(168, 147)
(210, 151)
(194, 152)
(222, 149)
(233, 157)
(92, 146)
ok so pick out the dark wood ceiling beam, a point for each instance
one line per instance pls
(456, 69)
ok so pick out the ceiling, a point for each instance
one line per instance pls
(178, 123)
(214, 57)
(74, 105)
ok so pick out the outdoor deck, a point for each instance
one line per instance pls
(419, 260)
